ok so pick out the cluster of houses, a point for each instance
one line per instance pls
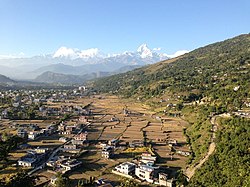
(76, 144)
(32, 131)
(63, 164)
(34, 157)
(144, 170)
(21, 101)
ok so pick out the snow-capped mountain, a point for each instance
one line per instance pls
(144, 51)
(78, 62)
(64, 52)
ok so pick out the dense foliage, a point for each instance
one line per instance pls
(230, 164)
(20, 179)
(7, 144)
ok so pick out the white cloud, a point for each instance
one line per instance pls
(177, 53)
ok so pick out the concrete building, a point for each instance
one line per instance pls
(127, 168)
(33, 135)
(145, 172)
(108, 152)
(113, 142)
(164, 181)
(31, 159)
(70, 164)
(82, 136)
(148, 158)
(22, 133)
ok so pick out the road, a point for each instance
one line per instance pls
(191, 170)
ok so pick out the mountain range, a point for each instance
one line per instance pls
(70, 61)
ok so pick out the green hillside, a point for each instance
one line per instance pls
(212, 71)
(210, 80)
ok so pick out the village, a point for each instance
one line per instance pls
(92, 138)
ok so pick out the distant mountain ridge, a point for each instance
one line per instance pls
(78, 62)
(6, 80)
(66, 79)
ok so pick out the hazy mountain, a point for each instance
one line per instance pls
(78, 62)
(6, 80)
(66, 79)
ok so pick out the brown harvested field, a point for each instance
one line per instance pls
(44, 176)
(46, 141)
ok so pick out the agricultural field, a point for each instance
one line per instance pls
(139, 124)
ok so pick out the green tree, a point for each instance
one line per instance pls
(128, 183)
(62, 181)
(21, 179)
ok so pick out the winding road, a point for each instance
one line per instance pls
(191, 170)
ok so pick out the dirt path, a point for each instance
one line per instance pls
(191, 170)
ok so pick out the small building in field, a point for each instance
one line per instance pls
(53, 180)
(83, 119)
(113, 142)
(145, 172)
(164, 181)
(22, 133)
(148, 158)
(63, 139)
(108, 152)
(82, 136)
(127, 168)
(33, 135)
(70, 164)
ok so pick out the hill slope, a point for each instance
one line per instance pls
(6, 80)
(218, 75)
(214, 71)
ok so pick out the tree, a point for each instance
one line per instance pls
(128, 183)
(21, 179)
(181, 178)
(62, 181)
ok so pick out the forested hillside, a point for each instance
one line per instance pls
(219, 71)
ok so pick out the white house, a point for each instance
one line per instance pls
(32, 135)
(70, 164)
(27, 162)
(148, 158)
(164, 181)
(145, 172)
(126, 168)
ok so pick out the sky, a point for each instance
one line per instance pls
(34, 27)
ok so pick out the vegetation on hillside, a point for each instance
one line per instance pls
(210, 80)
(230, 164)
(219, 72)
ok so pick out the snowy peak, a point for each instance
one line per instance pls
(144, 51)
(64, 52)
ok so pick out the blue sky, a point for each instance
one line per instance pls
(37, 27)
